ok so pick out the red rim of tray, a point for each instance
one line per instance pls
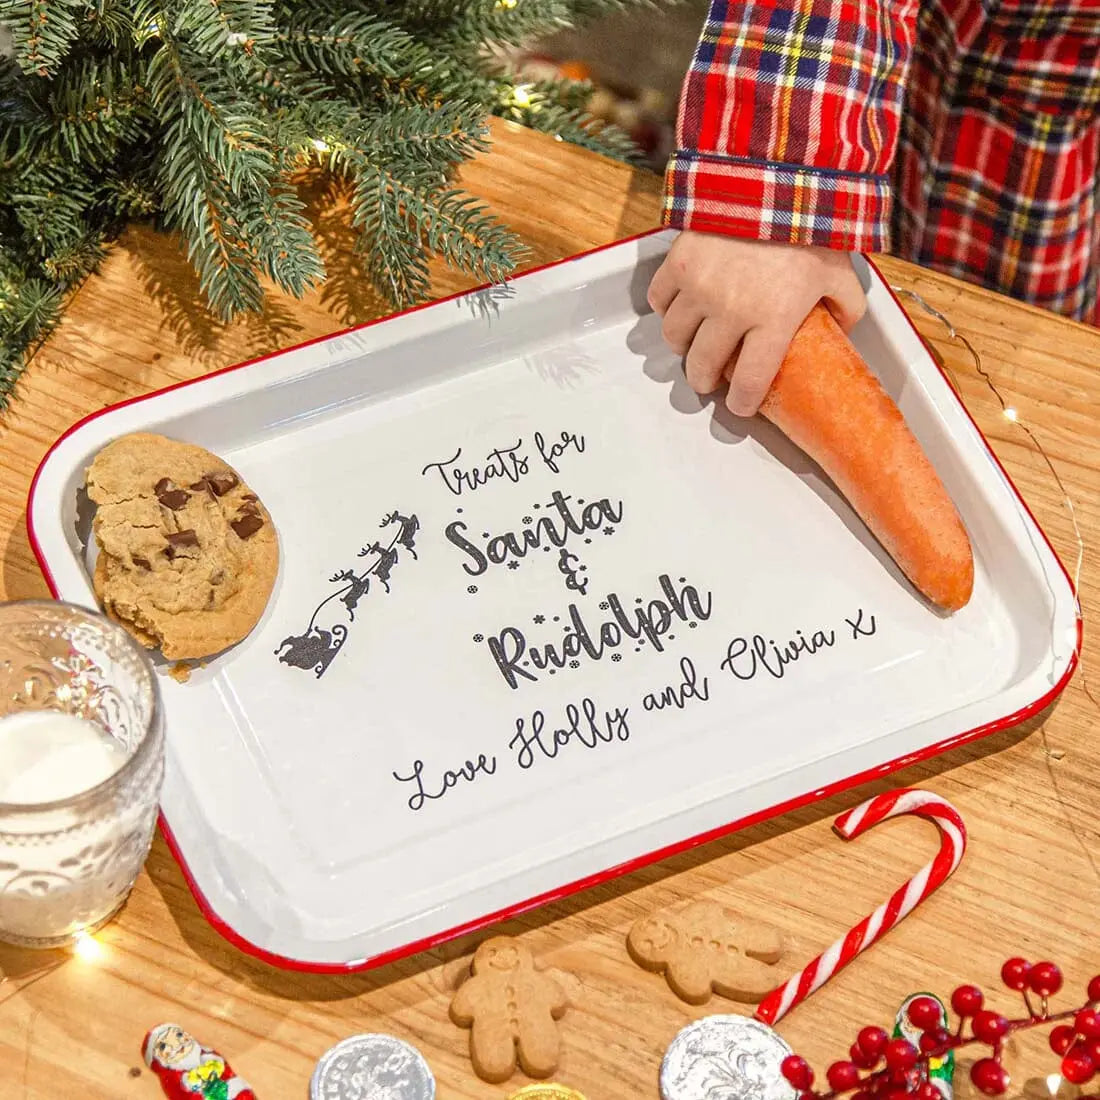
(595, 879)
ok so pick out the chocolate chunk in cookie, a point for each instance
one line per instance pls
(179, 540)
(217, 485)
(170, 495)
(247, 525)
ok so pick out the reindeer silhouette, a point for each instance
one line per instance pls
(318, 645)
(357, 588)
(407, 535)
(387, 559)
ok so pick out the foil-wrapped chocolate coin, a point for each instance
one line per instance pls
(546, 1091)
(372, 1067)
(728, 1056)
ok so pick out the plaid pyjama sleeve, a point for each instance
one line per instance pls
(789, 121)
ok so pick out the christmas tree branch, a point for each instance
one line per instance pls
(348, 43)
(201, 114)
(395, 217)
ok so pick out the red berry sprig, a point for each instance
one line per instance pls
(881, 1068)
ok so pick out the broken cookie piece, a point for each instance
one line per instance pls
(188, 554)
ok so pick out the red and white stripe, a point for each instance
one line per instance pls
(898, 906)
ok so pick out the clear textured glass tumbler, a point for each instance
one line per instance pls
(81, 768)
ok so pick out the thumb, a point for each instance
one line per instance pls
(845, 298)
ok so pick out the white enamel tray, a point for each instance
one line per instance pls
(472, 494)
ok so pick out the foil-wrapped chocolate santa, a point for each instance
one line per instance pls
(188, 1070)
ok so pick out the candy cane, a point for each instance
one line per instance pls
(779, 1002)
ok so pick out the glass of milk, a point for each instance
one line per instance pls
(81, 767)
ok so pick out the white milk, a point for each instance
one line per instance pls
(61, 870)
(46, 755)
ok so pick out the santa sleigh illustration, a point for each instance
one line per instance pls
(317, 646)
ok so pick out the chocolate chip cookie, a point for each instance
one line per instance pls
(187, 552)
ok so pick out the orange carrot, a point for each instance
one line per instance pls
(826, 400)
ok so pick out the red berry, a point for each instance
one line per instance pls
(842, 1076)
(1045, 979)
(901, 1054)
(1061, 1038)
(1087, 1023)
(1015, 973)
(1094, 989)
(898, 1094)
(1092, 1048)
(928, 1091)
(872, 1041)
(989, 1076)
(966, 1000)
(925, 1013)
(1078, 1066)
(862, 1094)
(797, 1072)
(990, 1027)
(935, 1042)
(861, 1058)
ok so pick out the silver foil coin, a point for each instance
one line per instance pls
(372, 1067)
(725, 1058)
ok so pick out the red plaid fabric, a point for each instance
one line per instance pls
(961, 134)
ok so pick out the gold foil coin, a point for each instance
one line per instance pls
(546, 1092)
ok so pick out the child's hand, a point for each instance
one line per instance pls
(725, 297)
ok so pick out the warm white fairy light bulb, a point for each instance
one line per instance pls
(1011, 414)
(87, 948)
(320, 145)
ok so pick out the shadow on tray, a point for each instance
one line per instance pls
(445, 964)
(662, 367)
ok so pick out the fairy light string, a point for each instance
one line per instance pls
(1011, 414)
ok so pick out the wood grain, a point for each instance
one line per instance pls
(1029, 885)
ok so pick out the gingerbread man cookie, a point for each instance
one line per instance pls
(703, 948)
(510, 1008)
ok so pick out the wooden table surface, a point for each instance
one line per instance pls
(72, 1027)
